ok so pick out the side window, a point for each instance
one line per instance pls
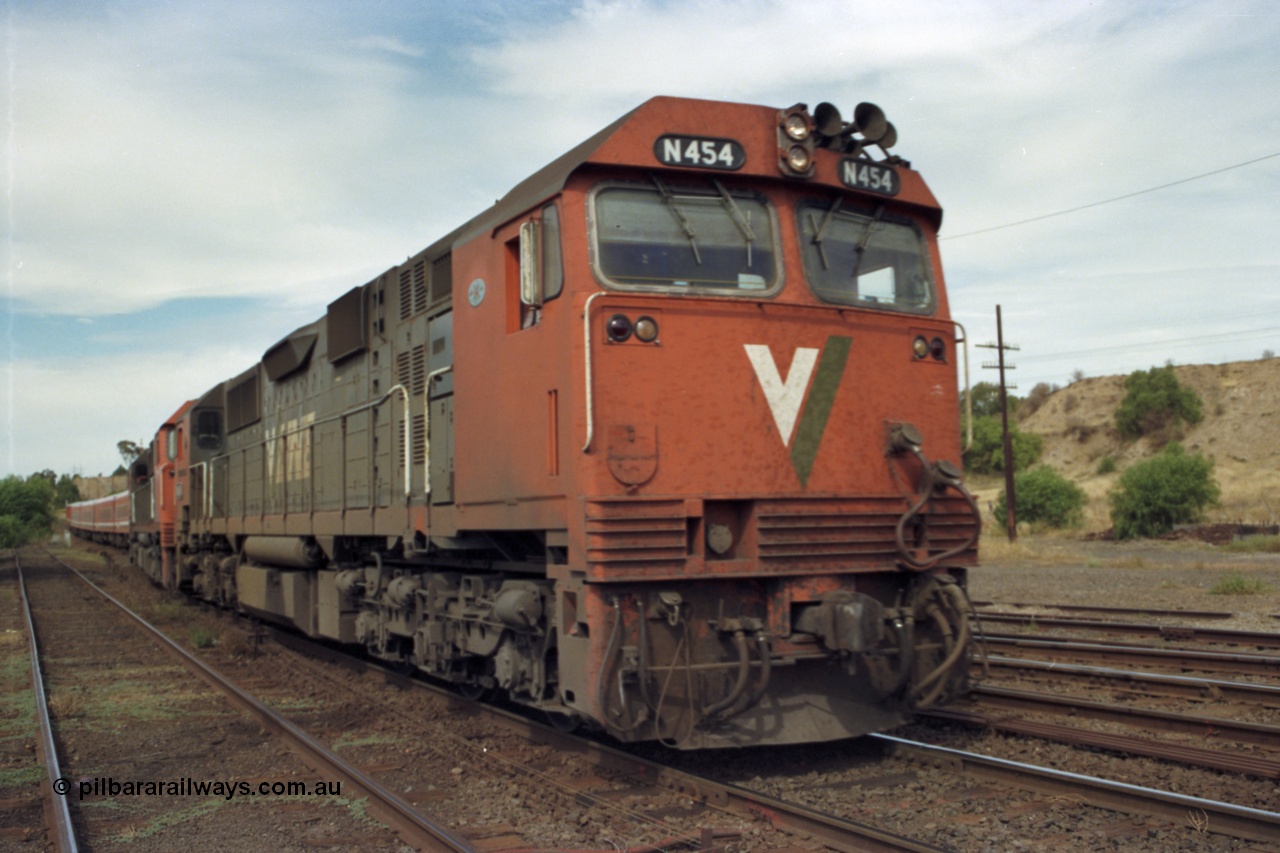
(208, 430)
(552, 260)
(171, 445)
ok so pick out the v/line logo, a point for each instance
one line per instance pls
(787, 399)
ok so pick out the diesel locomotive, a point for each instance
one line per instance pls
(666, 442)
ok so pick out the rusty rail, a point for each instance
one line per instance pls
(63, 831)
(413, 828)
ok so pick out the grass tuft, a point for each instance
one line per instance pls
(1238, 584)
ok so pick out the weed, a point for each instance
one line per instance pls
(65, 705)
(346, 742)
(167, 611)
(1255, 545)
(202, 637)
(1238, 584)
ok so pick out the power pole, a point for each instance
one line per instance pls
(1011, 521)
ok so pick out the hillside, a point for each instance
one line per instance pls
(1240, 432)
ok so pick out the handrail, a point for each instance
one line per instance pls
(404, 394)
(968, 393)
(586, 340)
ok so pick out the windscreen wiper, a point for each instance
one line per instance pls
(735, 213)
(861, 248)
(820, 231)
(670, 200)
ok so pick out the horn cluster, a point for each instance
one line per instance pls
(869, 127)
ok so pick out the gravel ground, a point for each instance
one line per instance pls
(1167, 575)
(454, 769)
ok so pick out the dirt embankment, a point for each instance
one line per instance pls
(1240, 432)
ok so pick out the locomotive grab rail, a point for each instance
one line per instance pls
(586, 339)
(372, 404)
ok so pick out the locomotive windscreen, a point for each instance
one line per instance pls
(864, 258)
(667, 237)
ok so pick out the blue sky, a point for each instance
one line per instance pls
(188, 182)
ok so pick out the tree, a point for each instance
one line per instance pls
(65, 491)
(26, 511)
(130, 450)
(1156, 403)
(986, 400)
(1046, 498)
(1166, 490)
(986, 456)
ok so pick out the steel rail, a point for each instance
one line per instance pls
(1177, 685)
(63, 830)
(1182, 633)
(415, 829)
(834, 832)
(1225, 818)
(1089, 608)
(1183, 659)
(1213, 759)
(1259, 734)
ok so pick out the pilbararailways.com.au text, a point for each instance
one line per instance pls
(110, 787)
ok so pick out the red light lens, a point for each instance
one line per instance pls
(937, 349)
(619, 328)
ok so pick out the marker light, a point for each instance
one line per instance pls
(618, 328)
(646, 330)
(937, 349)
(798, 158)
(796, 126)
(920, 347)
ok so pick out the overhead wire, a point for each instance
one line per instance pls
(1109, 200)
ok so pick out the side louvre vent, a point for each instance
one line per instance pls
(406, 295)
(411, 370)
(413, 289)
(441, 279)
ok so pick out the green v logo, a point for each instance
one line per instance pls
(787, 399)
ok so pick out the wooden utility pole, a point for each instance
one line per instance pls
(1011, 520)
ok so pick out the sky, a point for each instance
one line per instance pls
(187, 182)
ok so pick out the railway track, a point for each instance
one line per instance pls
(1111, 654)
(704, 808)
(58, 608)
(1169, 633)
(811, 825)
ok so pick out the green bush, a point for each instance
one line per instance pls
(1153, 496)
(1045, 498)
(986, 456)
(1156, 403)
(1107, 465)
(26, 511)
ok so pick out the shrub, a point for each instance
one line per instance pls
(986, 456)
(1039, 394)
(1153, 496)
(26, 510)
(1155, 402)
(1045, 498)
(1107, 465)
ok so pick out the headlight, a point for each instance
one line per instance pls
(646, 330)
(798, 158)
(796, 127)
